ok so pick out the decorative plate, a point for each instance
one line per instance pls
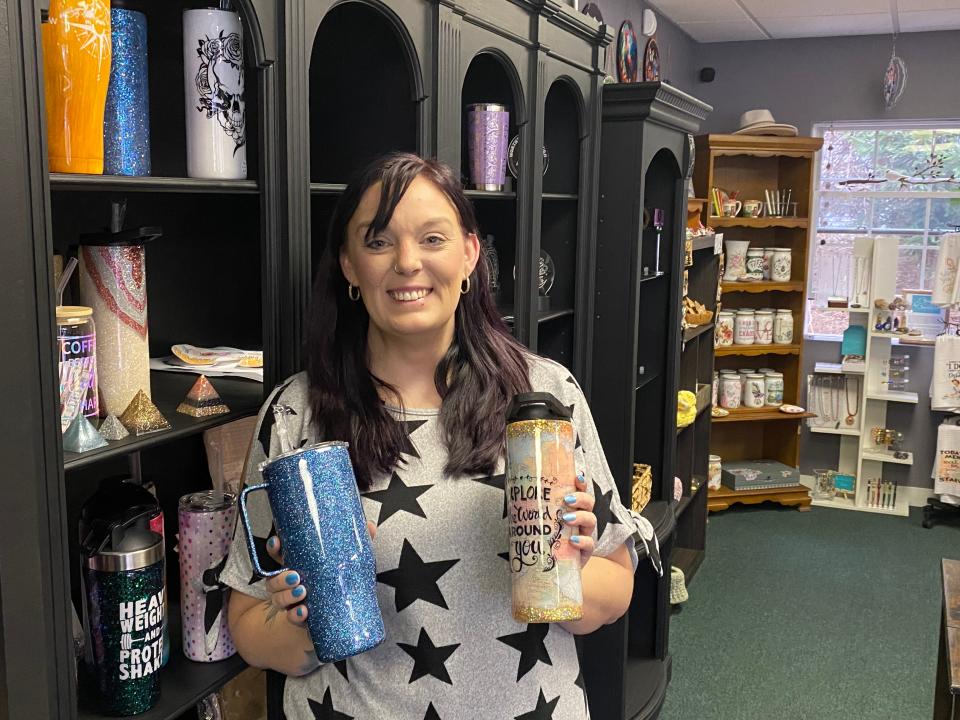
(513, 157)
(627, 53)
(719, 412)
(651, 61)
(791, 409)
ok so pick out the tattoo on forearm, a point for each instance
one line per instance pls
(310, 662)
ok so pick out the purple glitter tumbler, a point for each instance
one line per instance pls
(488, 134)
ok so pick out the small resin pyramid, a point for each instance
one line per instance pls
(203, 400)
(112, 429)
(142, 417)
(82, 436)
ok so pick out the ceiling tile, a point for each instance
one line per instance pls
(914, 5)
(722, 31)
(925, 20)
(871, 24)
(762, 9)
(680, 11)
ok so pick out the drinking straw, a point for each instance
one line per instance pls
(65, 278)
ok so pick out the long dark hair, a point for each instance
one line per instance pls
(482, 370)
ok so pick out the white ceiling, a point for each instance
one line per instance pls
(725, 20)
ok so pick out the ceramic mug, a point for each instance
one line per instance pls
(752, 208)
(731, 208)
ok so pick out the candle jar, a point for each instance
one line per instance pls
(714, 472)
(724, 329)
(754, 391)
(780, 265)
(77, 340)
(823, 485)
(773, 384)
(783, 327)
(716, 387)
(745, 327)
(764, 327)
(730, 390)
(754, 265)
(767, 257)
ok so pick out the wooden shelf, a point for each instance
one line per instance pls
(755, 414)
(168, 389)
(754, 350)
(149, 183)
(547, 315)
(761, 286)
(724, 497)
(560, 196)
(688, 560)
(491, 194)
(690, 333)
(760, 222)
(327, 188)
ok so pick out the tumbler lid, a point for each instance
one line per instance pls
(65, 312)
(487, 107)
(321, 446)
(207, 501)
(134, 549)
(537, 406)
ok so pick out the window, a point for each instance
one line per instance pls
(917, 212)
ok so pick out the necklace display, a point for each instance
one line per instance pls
(851, 414)
(827, 398)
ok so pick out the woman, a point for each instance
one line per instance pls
(409, 361)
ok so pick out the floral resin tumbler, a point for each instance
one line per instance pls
(488, 132)
(214, 84)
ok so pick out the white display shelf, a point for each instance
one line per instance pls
(825, 368)
(848, 310)
(834, 431)
(887, 457)
(894, 396)
(902, 508)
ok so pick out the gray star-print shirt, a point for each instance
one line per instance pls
(452, 648)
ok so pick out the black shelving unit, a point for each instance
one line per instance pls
(639, 272)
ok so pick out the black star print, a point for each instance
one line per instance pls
(504, 555)
(415, 579)
(410, 427)
(572, 381)
(341, 667)
(266, 562)
(495, 481)
(398, 496)
(583, 688)
(601, 508)
(531, 646)
(267, 425)
(428, 659)
(432, 713)
(578, 442)
(325, 710)
(543, 710)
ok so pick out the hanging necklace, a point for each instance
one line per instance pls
(851, 414)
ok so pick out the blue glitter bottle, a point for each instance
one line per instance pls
(316, 507)
(126, 119)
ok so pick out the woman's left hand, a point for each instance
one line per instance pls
(580, 518)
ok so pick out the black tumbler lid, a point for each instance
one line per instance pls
(537, 406)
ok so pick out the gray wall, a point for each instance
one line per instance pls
(822, 79)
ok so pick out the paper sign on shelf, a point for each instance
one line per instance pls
(717, 243)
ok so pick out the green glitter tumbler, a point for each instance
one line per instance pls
(124, 608)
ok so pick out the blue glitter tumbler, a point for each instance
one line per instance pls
(126, 119)
(316, 507)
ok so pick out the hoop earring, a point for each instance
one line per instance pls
(350, 292)
(464, 291)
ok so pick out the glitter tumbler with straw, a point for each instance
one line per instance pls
(113, 281)
(316, 507)
(544, 565)
(126, 120)
(206, 527)
(488, 133)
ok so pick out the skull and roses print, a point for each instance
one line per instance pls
(452, 648)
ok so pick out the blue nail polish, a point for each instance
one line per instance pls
(293, 579)
(272, 543)
(575, 539)
(569, 517)
(570, 499)
(299, 612)
(298, 591)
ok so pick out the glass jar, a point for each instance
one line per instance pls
(783, 327)
(730, 389)
(723, 332)
(774, 388)
(754, 391)
(754, 265)
(714, 472)
(780, 265)
(823, 485)
(767, 256)
(745, 327)
(77, 345)
(716, 387)
(764, 332)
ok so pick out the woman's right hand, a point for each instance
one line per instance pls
(286, 591)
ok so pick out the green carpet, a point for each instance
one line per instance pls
(822, 615)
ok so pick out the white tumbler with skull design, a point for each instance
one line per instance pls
(214, 84)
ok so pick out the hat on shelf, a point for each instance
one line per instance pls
(761, 122)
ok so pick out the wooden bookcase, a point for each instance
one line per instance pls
(753, 164)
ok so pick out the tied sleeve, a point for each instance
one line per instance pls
(238, 572)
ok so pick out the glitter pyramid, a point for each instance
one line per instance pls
(142, 417)
(112, 429)
(203, 400)
(82, 436)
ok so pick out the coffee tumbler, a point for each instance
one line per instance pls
(544, 565)
(316, 507)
